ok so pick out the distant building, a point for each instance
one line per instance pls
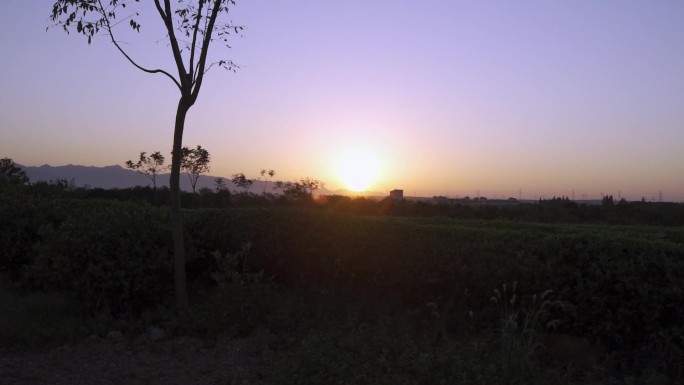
(397, 194)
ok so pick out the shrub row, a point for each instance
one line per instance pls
(620, 283)
(111, 255)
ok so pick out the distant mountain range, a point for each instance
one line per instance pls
(109, 177)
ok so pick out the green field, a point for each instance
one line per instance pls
(384, 297)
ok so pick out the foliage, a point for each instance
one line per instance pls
(618, 283)
(383, 349)
(19, 221)
(113, 256)
(198, 24)
(559, 210)
(302, 189)
(263, 173)
(220, 184)
(186, 19)
(149, 166)
(230, 268)
(242, 182)
(195, 162)
(522, 328)
(11, 173)
(607, 279)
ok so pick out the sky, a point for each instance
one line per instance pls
(439, 97)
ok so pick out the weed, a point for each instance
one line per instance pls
(520, 326)
(232, 268)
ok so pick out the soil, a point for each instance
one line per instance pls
(140, 360)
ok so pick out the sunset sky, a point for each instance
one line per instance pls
(434, 97)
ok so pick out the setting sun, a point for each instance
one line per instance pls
(357, 169)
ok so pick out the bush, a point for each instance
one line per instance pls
(622, 284)
(114, 256)
(20, 220)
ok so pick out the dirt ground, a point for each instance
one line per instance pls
(141, 360)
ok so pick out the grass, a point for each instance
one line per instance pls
(327, 337)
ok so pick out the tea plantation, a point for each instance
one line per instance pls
(356, 298)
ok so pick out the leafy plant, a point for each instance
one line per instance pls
(111, 255)
(231, 268)
(521, 328)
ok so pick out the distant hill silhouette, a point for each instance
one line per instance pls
(104, 177)
(118, 177)
(115, 177)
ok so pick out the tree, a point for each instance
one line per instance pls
(194, 162)
(222, 194)
(263, 173)
(302, 189)
(310, 185)
(607, 201)
(10, 172)
(149, 166)
(219, 184)
(241, 181)
(198, 24)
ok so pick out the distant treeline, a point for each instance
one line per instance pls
(554, 210)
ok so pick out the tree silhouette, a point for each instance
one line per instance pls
(11, 172)
(302, 189)
(241, 181)
(220, 184)
(263, 173)
(149, 166)
(198, 24)
(194, 162)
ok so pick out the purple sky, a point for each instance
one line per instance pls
(451, 97)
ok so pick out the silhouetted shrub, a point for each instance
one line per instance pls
(20, 219)
(114, 256)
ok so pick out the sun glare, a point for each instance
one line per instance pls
(358, 169)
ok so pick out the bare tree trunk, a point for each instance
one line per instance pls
(180, 284)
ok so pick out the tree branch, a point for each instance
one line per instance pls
(108, 26)
(205, 48)
(167, 16)
(194, 40)
(206, 23)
